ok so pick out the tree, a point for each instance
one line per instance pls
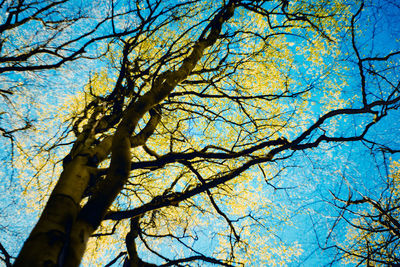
(373, 225)
(208, 100)
(37, 40)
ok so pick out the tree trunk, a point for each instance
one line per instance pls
(48, 241)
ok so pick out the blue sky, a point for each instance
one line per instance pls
(310, 175)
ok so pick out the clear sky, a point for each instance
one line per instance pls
(301, 194)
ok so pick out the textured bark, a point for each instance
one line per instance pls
(49, 238)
